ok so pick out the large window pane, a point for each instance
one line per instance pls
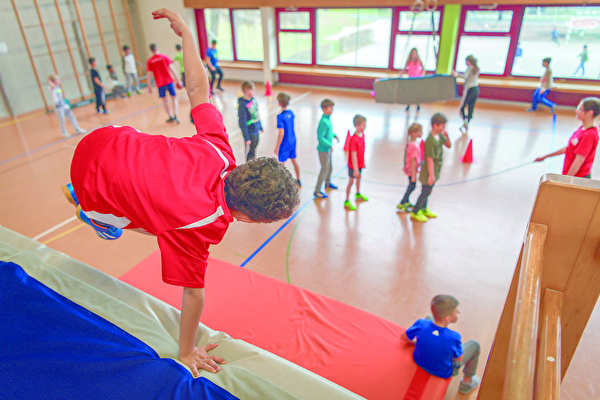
(422, 21)
(294, 20)
(218, 27)
(295, 47)
(424, 45)
(489, 61)
(559, 33)
(488, 21)
(354, 37)
(248, 35)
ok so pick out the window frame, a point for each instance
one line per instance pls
(397, 31)
(311, 29)
(513, 33)
(233, 38)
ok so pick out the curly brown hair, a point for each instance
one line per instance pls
(262, 189)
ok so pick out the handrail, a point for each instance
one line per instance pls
(549, 358)
(520, 368)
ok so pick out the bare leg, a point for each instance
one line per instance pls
(166, 105)
(358, 184)
(350, 183)
(175, 106)
(296, 168)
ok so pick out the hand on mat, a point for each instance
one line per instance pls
(200, 359)
(177, 23)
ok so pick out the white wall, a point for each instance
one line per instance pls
(159, 32)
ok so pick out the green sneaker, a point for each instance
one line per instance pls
(360, 197)
(419, 216)
(429, 214)
(349, 206)
(406, 207)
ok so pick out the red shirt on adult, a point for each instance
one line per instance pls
(170, 187)
(159, 65)
(583, 142)
(357, 144)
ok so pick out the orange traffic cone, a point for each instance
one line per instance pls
(268, 89)
(468, 157)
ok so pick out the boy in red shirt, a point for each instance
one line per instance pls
(581, 150)
(185, 191)
(161, 68)
(356, 160)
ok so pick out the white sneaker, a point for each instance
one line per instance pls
(465, 388)
(65, 134)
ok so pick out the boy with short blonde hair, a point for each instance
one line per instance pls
(286, 141)
(439, 350)
(249, 119)
(356, 160)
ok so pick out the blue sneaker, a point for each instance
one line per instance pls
(70, 194)
(104, 231)
(332, 186)
(321, 195)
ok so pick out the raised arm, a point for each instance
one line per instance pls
(195, 76)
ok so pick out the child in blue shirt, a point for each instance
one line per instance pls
(286, 142)
(439, 350)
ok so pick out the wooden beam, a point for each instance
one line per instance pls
(97, 17)
(80, 20)
(520, 368)
(35, 72)
(130, 26)
(114, 22)
(64, 31)
(549, 358)
(37, 9)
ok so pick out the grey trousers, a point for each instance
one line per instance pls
(469, 360)
(63, 111)
(131, 78)
(325, 174)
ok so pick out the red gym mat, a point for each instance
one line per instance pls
(350, 347)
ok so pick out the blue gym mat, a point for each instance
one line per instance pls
(52, 348)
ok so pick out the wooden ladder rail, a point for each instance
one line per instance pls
(520, 368)
(548, 371)
(570, 284)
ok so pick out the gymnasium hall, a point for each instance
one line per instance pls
(312, 306)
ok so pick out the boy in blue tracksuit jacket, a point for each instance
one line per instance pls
(249, 119)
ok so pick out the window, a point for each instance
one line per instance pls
(489, 62)
(295, 38)
(487, 35)
(417, 31)
(357, 37)
(218, 27)
(294, 20)
(420, 22)
(248, 35)
(560, 33)
(488, 21)
(425, 45)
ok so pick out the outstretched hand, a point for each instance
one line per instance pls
(200, 359)
(177, 23)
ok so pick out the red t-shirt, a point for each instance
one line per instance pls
(357, 144)
(583, 142)
(159, 65)
(170, 187)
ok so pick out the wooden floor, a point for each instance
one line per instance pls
(373, 258)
